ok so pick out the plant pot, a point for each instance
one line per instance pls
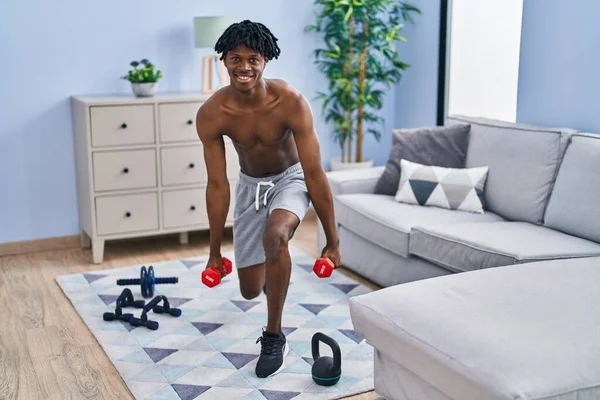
(144, 89)
(338, 165)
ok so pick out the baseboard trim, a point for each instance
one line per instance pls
(37, 245)
(59, 243)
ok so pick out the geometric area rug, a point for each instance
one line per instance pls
(210, 351)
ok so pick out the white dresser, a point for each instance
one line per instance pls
(140, 168)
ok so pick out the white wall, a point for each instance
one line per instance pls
(484, 46)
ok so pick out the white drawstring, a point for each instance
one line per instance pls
(267, 183)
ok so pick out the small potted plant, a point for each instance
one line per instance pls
(143, 78)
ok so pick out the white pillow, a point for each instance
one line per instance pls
(450, 188)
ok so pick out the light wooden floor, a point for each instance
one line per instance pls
(46, 351)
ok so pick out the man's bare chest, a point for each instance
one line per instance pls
(260, 129)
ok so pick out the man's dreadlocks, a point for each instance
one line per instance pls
(254, 35)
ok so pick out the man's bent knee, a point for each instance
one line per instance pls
(275, 241)
(251, 280)
(250, 294)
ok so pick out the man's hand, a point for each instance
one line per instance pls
(334, 254)
(215, 261)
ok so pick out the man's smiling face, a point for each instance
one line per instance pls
(245, 67)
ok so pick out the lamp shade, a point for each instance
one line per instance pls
(208, 29)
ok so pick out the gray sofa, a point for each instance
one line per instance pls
(521, 332)
(499, 305)
(541, 202)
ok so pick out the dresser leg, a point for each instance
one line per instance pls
(86, 242)
(97, 250)
(184, 238)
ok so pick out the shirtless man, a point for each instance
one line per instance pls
(271, 126)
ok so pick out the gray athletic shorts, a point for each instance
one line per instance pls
(255, 199)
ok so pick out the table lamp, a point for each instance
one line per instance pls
(207, 31)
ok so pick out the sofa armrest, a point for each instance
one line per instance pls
(361, 180)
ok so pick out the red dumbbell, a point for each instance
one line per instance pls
(323, 267)
(212, 276)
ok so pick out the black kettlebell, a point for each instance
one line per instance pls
(326, 371)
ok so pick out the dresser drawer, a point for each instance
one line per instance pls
(122, 125)
(178, 121)
(127, 213)
(184, 207)
(187, 207)
(116, 170)
(182, 165)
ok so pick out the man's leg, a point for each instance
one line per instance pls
(248, 229)
(278, 264)
(252, 280)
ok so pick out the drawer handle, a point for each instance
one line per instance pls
(123, 125)
(125, 170)
(191, 165)
(192, 208)
(128, 214)
(190, 122)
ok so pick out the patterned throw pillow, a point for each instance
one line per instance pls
(444, 146)
(450, 188)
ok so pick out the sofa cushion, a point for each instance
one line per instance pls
(383, 267)
(518, 332)
(523, 162)
(387, 223)
(445, 146)
(469, 246)
(451, 188)
(574, 205)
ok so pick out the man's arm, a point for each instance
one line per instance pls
(302, 125)
(217, 188)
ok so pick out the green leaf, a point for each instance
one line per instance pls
(348, 14)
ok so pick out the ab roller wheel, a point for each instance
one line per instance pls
(147, 281)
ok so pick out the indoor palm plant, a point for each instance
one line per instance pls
(143, 77)
(358, 58)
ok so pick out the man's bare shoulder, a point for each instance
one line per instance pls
(283, 88)
(291, 98)
(213, 113)
(209, 117)
(213, 105)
